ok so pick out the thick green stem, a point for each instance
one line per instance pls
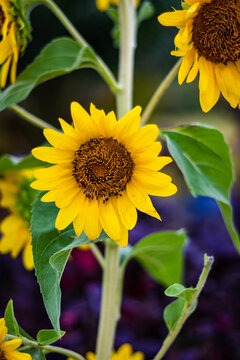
(26, 115)
(160, 91)
(186, 310)
(108, 314)
(48, 348)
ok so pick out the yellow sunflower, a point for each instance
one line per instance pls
(14, 32)
(8, 348)
(104, 169)
(17, 197)
(125, 352)
(103, 5)
(209, 41)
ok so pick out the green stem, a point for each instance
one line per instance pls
(26, 115)
(98, 255)
(160, 91)
(101, 66)
(186, 310)
(108, 314)
(48, 348)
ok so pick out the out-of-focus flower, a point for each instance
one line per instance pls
(103, 5)
(17, 196)
(209, 41)
(125, 352)
(14, 34)
(104, 171)
(8, 348)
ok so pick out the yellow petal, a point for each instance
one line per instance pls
(109, 220)
(65, 195)
(102, 5)
(173, 18)
(92, 227)
(83, 122)
(67, 214)
(69, 130)
(152, 182)
(61, 141)
(128, 124)
(90, 356)
(4, 71)
(154, 164)
(79, 221)
(194, 70)
(141, 200)
(108, 124)
(53, 172)
(17, 355)
(125, 351)
(148, 154)
(228, 78)
(127, 211)
(145, 136)
(11, 344)
(53, 184)
(28, 257)
(53, 155)
(3, 330)
(209, 91)
(185, 66)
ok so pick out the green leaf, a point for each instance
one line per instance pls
(14, 163)
(146, 11)
(178, 290)
(115, 32)
(61, 56)
(10, 319)
(173, 312)
(36, 354)
(51, 249)
(46, 337)
(161, 254)
(204, 159)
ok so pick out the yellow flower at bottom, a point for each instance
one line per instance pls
(8, 348)
(17, 197)
(209, 41)
(125, 352)
(104, 170)
(103, 5)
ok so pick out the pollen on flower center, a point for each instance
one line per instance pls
(2, 355)
(102, 167)
(216, 31)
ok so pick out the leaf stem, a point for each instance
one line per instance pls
(26, 115)
(208, 261)
(160, 91)
(102, 68)
(48, 348)
(107, 322)
(98, 255)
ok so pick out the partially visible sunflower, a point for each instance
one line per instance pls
(125, 352)
(14, 34)
(17, 197)
(104, 170)
(209, 41)
(8, 348)
(103, 5)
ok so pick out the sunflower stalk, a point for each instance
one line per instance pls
(32, 119)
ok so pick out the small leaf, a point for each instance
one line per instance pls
(185, 6)
(146, 11)
(204, 158)
(14, 163)
(59, 57)
(51, 249)
(161, 254)
(178, 290)
(173, 312)
(46, 337)
(10, 319)
(115, 32)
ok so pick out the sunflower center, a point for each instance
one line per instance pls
(216, 31)
(2, 355)
(102, 167)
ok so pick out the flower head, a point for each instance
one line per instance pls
(103, 5)
(104, 170)
(14, 34)
(17, 197)
(8, 348)
(125, 352)
(209, 41)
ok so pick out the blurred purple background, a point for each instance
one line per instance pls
(213, 331)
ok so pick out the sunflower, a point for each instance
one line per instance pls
(125, 352)
(8, 348)
(14, 34)
(209, 41)
(104, 169)
(17, 197)
(103, 5)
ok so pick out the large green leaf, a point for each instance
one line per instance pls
(15, 163)
(161, 254)
(59, 57)
(51, 249)
(204, 159)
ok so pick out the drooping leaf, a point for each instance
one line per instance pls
(10, 319)
(46, 337)
(204, 158)
(51, 249)
(161, 254)
(173, 311)
(61, 56)
(179, 291)
(14, 163)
